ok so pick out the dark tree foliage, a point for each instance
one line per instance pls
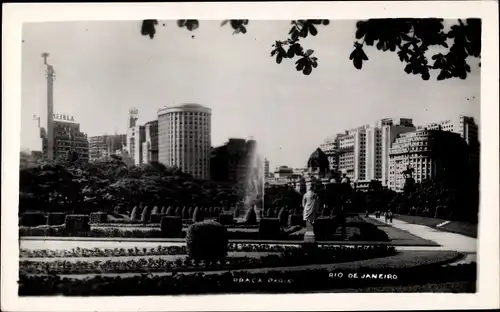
(409, 38)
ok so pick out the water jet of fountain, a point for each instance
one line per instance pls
(254, 183)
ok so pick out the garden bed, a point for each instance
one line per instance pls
(315, 280)
(288, 257)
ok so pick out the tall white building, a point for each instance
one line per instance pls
(362, 153)
(184, 138)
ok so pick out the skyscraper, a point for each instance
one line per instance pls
(184, 138)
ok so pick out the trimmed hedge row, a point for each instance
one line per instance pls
(243, 282)
(292, 257)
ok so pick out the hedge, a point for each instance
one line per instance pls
(226, 219)
(198, 215)
(295, 219)
(155, 210)
(98, 217)
(145, 215)
(234, 282)
(156, 218)
(77, 223)
(207, 240)
(171, 226)
(134, 214)
(251, 216)
(283, 216)
(324, 228)
(32, 218)
(56, 218)
(269, 228)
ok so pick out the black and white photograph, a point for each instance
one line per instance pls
(205, 156)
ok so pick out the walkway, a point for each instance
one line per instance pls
(447, 240)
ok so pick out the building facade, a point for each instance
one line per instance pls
(150, 144)
(184, 138)
(362, 154)
(101, 147)
(67, 137)
(266, 168)
(432, 154)
(231, 161)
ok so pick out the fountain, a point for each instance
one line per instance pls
(254, 183)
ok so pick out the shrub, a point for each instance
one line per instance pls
(178, 212)
(32, 218)
(134, 215)
(163, 210)
(207, 240)
(77, 223)
(236, 212)
(283, 216)
(198, 215)
(295, 219)
(226, 219)
(155, 210)
(170, 211)
(324, 228)
(269, 228)
(55, 218)
(146, 214)
(185, 213)
(98, 217)
(156, 218)
(190, 212)
(171, 226)
(251, 216)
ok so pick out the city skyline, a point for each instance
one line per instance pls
(250, 96)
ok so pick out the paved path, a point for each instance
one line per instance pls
(447, 240)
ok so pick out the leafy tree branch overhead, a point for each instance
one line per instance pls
(409, 38)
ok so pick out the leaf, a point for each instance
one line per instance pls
(279, 58)
(313, 30)
(326, 22)
(307, 69)
(181, 23)
(273, 52)
(300, 64)
(309, 52)
(408, 68)
(243, 29)
(352, 55)
(441, 76)
(224, 22)
(358, 62)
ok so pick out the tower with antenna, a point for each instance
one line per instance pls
(49, 75)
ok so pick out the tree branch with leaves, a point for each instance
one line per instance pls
(409, 38)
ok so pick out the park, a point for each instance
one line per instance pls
(108, 229)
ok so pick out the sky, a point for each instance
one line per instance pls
(103, 69)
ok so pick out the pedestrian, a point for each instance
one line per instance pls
(391, 215)
(386, 216)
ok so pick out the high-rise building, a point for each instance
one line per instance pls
(432, 154)
(346, 153)
(467, 128)
(101, 147)
(266, 168)
(232, 161)
(67, 137)
(184, 138)
(362, 153)
(150, 144)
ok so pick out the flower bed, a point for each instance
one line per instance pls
(243, 282)
(289, 257)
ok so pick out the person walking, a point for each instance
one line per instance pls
(386, 216)
(391, 215)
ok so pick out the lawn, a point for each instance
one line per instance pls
(458, 227)
(400, 237)
(453, 287)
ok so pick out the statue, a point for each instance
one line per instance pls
(311, 204)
